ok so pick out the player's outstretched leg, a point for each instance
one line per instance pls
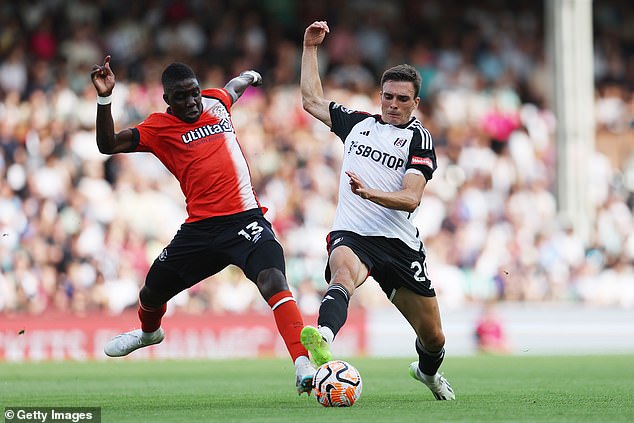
(437, 384)
(304, 375)
(127, 342)
(316, 345)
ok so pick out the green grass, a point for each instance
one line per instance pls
(488, 389)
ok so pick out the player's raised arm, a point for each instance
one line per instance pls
(238, 85)
(107, 141)
(312, 92)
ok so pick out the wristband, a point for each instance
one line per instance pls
(104, 100)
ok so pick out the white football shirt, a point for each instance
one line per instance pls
(380, 154)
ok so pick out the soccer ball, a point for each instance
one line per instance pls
(337, 384)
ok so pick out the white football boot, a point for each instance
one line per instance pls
(127, 342)
(304, 375)
(439, 386)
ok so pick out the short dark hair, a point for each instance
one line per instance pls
(403, 73)
(176, 72)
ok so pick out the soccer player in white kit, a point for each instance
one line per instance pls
(388, 159)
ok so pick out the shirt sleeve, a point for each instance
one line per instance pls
(220, 94)
(147, 132)
(344, 119)
(422, 155)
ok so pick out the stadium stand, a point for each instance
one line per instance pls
(79, 229)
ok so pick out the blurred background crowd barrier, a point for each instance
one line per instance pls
(79, 229)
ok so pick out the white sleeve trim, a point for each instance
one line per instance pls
(416, 171)
(282, 301)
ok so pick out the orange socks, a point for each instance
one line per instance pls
(151, 317)
(289, 322)
(287, 318)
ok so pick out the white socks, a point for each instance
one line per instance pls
(149, 336)
(429, 379)
(326, 333)
(301, 361)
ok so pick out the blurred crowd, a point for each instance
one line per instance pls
(79, 230)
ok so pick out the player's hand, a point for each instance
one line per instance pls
(315, 33)
(357, 186)
(257, 78)
(103, 78)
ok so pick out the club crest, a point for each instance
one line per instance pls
(400, 142)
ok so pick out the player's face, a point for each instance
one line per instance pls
(398, 101)
(185, 100)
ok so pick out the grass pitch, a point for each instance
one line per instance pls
(488, 389)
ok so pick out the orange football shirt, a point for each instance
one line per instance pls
(204, 156)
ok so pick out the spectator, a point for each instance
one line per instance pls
(489, 202)
(489, 332)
